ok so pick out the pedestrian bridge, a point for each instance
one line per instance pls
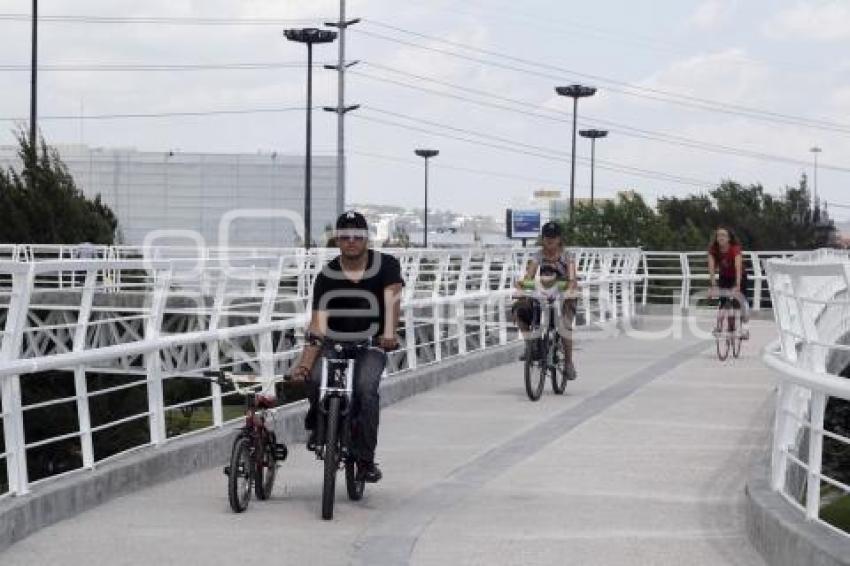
(645, 460)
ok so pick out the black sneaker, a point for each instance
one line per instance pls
(311, 441)
(369, 472)
(570, 371)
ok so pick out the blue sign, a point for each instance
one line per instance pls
(525, 223)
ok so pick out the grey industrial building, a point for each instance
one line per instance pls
(178, 197)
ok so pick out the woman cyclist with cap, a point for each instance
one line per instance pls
(553, 264)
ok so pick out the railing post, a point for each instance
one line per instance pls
(818, 408)
(758, 281)
(80, 384)
(779, 462)
(272, 283)
(13, 422)
(213, 348)
(153, 363)
(684, 300)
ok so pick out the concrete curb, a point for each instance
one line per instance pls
(782, 535)
(69, 496)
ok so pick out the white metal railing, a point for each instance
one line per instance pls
(811, 306)
(123, 342)
(665, 277)
(680, 278)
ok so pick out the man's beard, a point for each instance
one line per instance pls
(354, 256)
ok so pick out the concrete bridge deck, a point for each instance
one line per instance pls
(643, 461)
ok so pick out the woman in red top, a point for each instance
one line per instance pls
(725, 258)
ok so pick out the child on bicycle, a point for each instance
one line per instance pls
(725, 259)
(551, 265)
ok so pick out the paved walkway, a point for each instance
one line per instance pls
(643, 462)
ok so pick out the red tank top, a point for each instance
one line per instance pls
(725, 260)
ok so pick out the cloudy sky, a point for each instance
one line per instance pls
(692, 91)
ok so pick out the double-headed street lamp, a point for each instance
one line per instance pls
(575, 92)
(309, 36)
(427, 154)
(593, 135)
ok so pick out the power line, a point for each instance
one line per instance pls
(641, 92)
(532, 147)
(159, 20)
(562, 117)
(543, 153)
(442, 165)
(163, 114)
(122, 67)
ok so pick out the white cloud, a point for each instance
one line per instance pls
(710, 14)
(717, 76)
(821, 22)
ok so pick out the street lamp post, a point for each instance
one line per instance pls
(593, 135)
(815, 151)
(309, 36)
(427, 154)
(34, 85)
(575, 92)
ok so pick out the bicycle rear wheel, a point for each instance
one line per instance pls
(354, 487)
(266, 470)
(559, 366)
(534, 380)
(331, 460)
(240, 475)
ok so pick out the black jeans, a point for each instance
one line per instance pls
(366, 407)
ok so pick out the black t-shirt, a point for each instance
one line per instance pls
(356, 310)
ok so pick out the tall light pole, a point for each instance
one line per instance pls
(34, 84)
(309, 36)
(815, 151)
(593, 135)
(427, 154)
(575, 92)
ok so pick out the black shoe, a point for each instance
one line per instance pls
(369, 472)
(311, 441)
(570, 371)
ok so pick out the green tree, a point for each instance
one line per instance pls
(41, 204)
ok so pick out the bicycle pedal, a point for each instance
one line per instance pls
(280, 452)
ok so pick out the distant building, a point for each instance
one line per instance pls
(151, 191)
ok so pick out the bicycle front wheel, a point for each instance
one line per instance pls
(331, 460)
(722, 338)
(559, 366)
(534, 380)
(266, 470)
(240, 475)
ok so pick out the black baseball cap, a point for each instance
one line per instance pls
(551, 230)
(351, 220)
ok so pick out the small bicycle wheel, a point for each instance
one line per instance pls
(331, 460)
(355, 488)
(735, 337)
(266, 470)
(722, 338)
(240, 475)
(534, 380)
(559, 366)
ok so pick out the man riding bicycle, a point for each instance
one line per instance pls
(551, 265)
(725, 257)
(356, 297)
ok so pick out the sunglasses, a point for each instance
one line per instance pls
(352, 235)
